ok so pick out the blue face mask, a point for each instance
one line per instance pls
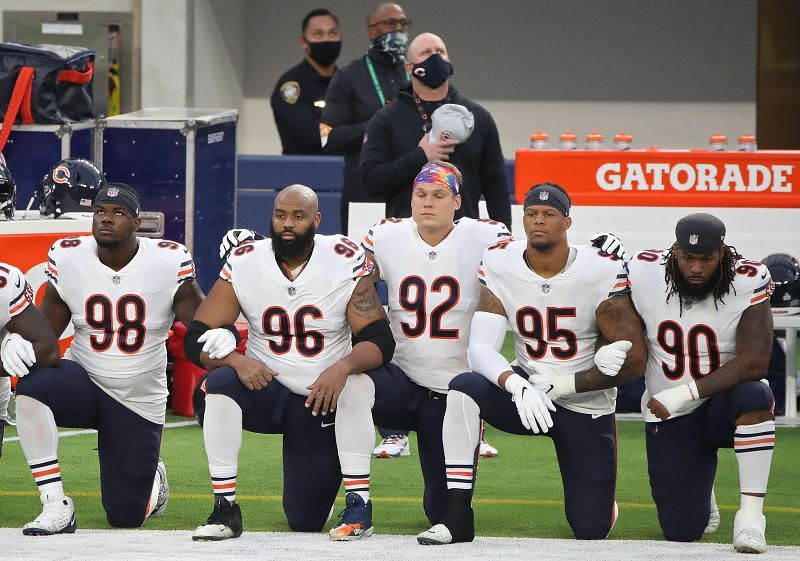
(390, 48)
(433, 71)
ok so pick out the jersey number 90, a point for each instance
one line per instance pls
(681, 346)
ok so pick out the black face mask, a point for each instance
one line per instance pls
(433, 71)
(325, 53)
(389, 48)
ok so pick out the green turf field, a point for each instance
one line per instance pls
(517, 494)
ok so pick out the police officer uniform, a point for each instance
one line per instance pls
(297, 102)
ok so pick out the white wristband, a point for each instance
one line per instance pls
(564, 385)
(693, 390)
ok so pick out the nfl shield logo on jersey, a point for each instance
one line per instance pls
(292, 291)
(115, 279)
(545, 288)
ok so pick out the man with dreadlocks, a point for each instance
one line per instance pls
(709, 333)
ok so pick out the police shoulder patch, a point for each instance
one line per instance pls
(290, 91)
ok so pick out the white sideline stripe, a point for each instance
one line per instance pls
(146, 545)
(68, 433)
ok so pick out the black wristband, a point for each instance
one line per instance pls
(191, 346)
(379, 333)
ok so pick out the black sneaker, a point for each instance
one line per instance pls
(224, 523)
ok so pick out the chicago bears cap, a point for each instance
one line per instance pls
(451, 121)
(700, 233)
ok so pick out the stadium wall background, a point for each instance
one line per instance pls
(670, 73)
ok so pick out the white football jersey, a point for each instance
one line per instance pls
(298, 327)
(554, 320)
(15, 295)
(684, 345)
(122, 318)
(433, 293)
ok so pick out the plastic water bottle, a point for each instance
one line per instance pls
(718, 142)
(568, 141)
(623, 141)
(539, 141)
(594, 141)
(747, 143)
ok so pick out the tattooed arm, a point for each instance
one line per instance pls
(753, 348)
(618, 321)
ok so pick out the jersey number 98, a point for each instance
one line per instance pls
(130, 319)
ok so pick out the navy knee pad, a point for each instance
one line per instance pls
(750, 396)
(225, 381)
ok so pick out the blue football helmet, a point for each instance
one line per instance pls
(70, 186)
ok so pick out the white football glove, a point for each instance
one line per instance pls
(219, 343)
(533, 406)
(232, 239)
(610, 358)
(674, 399)
(17, 354)
(609, 243)
(547, 379)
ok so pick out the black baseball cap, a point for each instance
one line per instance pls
(701, 233)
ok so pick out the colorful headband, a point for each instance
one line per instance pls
(439, 174)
